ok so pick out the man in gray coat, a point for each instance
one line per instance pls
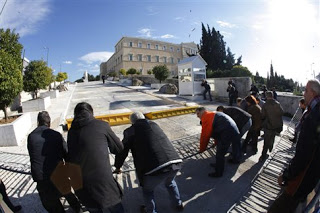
(271, 122)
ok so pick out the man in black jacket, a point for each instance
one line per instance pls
(88, 142)
(207, 89)
(155, 159)
(47, 150)
(302, 174)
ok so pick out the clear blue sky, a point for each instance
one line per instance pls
(80, 34)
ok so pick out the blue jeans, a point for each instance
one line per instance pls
(150, 182)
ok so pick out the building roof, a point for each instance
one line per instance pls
(191, 59)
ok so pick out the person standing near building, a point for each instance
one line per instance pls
(233, 93)
(207, 89)
(103, 78)
(155, 160)
(272, 123)
(89, 140)
(302, 174)
(48, 150)
(224, 130)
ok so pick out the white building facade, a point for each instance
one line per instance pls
(143, 54)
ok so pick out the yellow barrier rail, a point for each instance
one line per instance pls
(124, 118)
(170, 112)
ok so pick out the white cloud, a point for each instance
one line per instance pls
(24, 15)
(225, 24)
(151, 11)
(145, 32)
(180, 19)
(67, 62)
(166, 36)
(226, 34)
(96, 57)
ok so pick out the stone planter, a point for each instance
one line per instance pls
(39, 104)
(52, 94)
(156, 85)
(13, 133)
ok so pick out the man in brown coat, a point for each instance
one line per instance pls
(271, 122)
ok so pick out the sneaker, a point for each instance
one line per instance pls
(214, 175)
(263, 157)
(180, 207)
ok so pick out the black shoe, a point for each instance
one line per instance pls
(143, 209)
(233, 161)
(293, 140)
(213, 165)
(180, 207)
(254, 151)
(215, 175)
(16, 208)
(263, 157)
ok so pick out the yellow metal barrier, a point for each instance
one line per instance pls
(112, 119)
(124, 118)
(170, 112)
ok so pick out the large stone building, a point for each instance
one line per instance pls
(143, 54)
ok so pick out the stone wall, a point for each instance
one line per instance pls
(289, 103)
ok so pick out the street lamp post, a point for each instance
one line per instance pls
(47, 48)
(314, 76)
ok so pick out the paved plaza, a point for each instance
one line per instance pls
(248, 187)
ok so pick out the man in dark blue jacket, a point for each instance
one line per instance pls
(154, 157)
(47, 150)
(302, 174)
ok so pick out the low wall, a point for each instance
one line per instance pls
(219, 86)
(289, 103)
(12, 134)
(52, 94)
(36, 104)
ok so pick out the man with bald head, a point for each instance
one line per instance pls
(302, 174)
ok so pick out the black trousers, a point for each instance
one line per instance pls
(50, 198)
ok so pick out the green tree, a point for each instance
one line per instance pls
(10, 68)
(149, 72)
(122, 71)
(60, 77)
(132, 71)
(161, 72)
(65, 76)
(240, 71)
(37, 76)
(212, 48)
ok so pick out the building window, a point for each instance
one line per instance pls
(172, 61)
(157, 58)
(164, 48)
(164, 59)
(148, 46)
(171, 49)
(140, 57)
(130, 57)
(178, 60)
(172, 72)
(149, 58)
(130, 44)
(140, 45)
(178, 49)
(157, 47)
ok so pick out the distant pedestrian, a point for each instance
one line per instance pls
(48, 150)
(233, 93)
(224, 130)
(89, 143)
(264, 90)
(254, 90)
(272, 123)
(155, 159)
(254, 132)
(302, 173)
(103, 78)
(242, 104)
(6, 199)
(275, 94)
(207, 89)
(302, 106)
